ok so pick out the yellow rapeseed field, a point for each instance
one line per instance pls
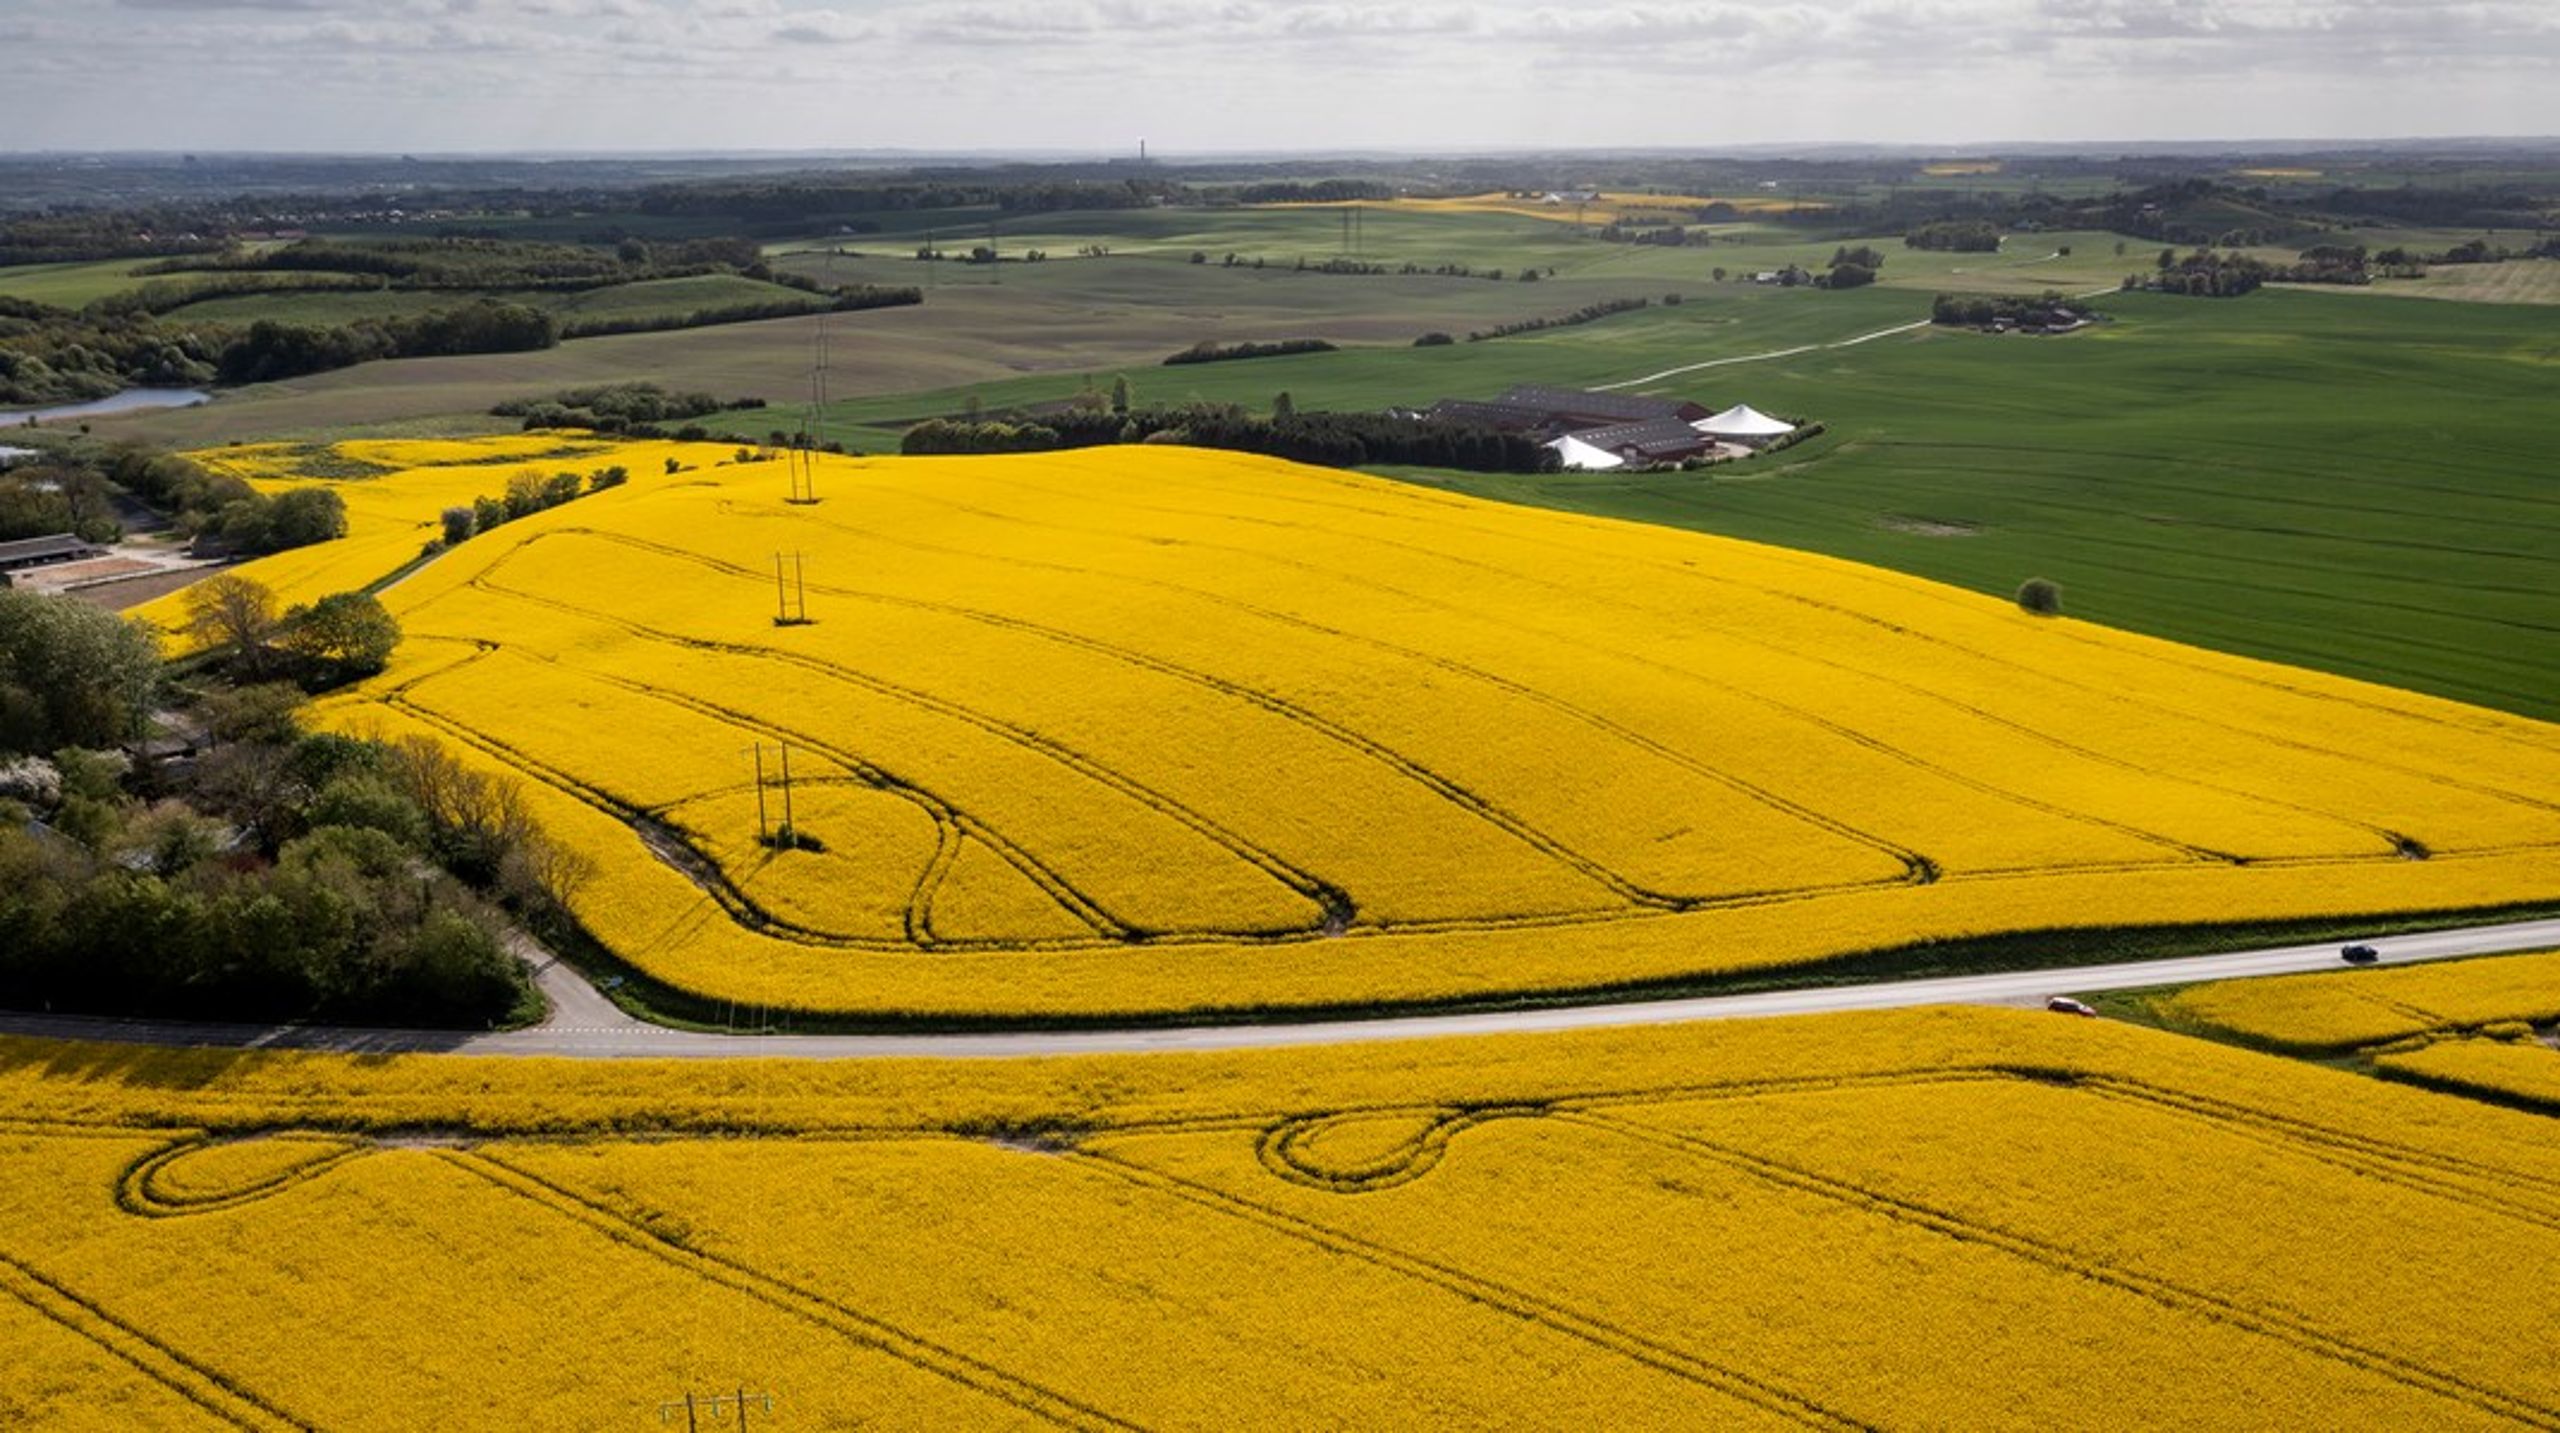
(2523, 1071)
(1146, 729)
(1606, 208)
(2347, 1009)
(395, 490)
(1934, 1218)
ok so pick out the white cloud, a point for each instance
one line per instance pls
(1204, 74)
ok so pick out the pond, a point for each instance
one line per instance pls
(132, 400)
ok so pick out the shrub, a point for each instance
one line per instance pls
(343, 636)
(458, 525)
(370, 803)
(2040, 595)
(305, 516)
(524, 494)
(71, 674)
(264, 712)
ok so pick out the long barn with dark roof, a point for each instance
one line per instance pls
(1582, 408)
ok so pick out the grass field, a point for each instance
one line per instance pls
(70, 285)
(1153, 731)
(983, 326)
(1777, 1223)
(2518, 281)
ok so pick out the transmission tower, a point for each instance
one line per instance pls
(716, 1407)
(790, 590)
(804, 448)
(785, 837)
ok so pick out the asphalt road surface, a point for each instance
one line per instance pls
(584, 1025)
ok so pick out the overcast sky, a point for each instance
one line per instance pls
(1206, 75)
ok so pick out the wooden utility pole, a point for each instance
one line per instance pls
(764, 831)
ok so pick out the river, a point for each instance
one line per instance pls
(132, 400)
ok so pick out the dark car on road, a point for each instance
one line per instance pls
(2359, 955)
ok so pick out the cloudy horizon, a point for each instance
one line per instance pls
(1227, 76)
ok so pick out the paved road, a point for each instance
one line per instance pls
(1757, 357)
(585, 1026)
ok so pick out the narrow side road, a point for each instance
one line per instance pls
(1802, 347)
(586, 1026)
(1758, 357)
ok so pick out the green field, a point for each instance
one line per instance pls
(70, 285)
(2306, 475)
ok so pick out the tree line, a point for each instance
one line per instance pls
(1588, 313)
(1343, 440)
(616, 407)
(144, 336)
(71, 490)
(1962, 236)
(1208, 351)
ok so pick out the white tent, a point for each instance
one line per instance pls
(1578, 454)
(1743, 421)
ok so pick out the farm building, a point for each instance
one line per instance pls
(1654, 440)
(1597, 431)
(1534, 408)
(1744, 424)
(1573, 453)
(33, 552)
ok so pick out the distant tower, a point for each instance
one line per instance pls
(1142, 151)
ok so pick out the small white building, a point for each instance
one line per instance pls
(1580, 456)
(1743, 423)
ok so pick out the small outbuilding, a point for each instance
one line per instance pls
(32, 552)
(1573, 453)
(1745, 424)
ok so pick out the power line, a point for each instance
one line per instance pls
(764, 831)
(716, 1406)
(813, 422)
(785, 837)
(790, 591)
